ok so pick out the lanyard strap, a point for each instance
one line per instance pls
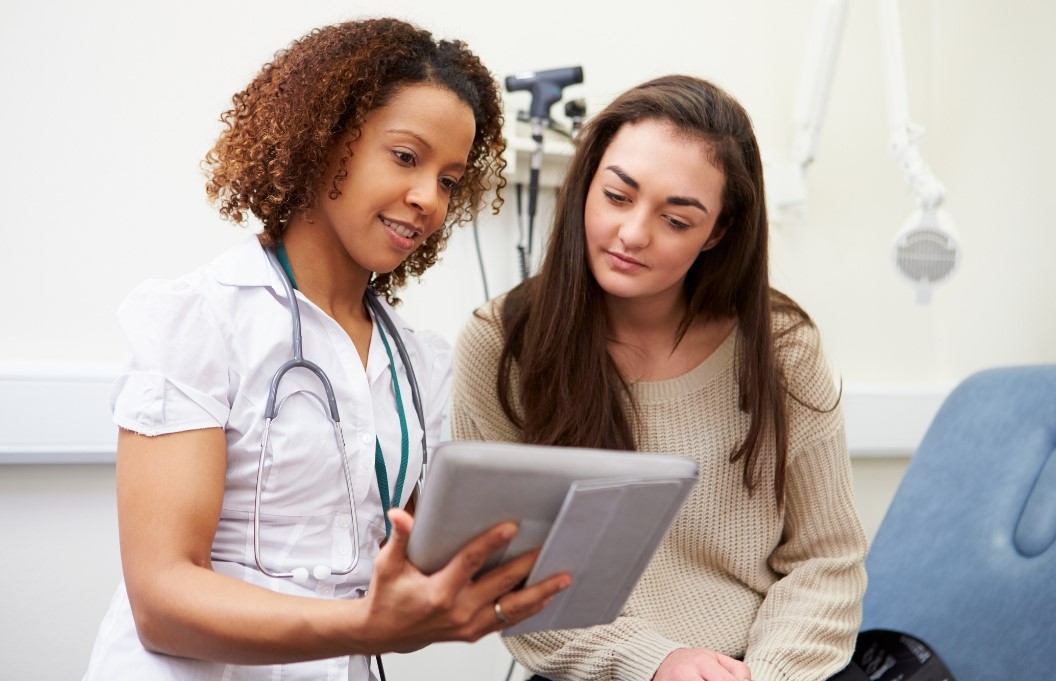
(380, 469)
(379, 459)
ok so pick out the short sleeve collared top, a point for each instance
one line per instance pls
(204, 350)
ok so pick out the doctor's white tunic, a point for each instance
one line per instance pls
(204, 350)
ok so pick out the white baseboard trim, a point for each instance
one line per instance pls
(889, 420)
(56, 413)
(60, 413)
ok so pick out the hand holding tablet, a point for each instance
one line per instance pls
(598, 515)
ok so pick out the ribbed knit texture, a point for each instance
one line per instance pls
(780, 589)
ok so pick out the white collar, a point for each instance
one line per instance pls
(246, 264)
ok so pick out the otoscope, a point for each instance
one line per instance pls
(546, 87)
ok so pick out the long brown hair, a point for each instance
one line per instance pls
(569, 388)
(270, 158)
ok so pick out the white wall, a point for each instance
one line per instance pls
(107, 108)
(110, 106)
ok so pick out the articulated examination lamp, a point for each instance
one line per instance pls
(926, 250)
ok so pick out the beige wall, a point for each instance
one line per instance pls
(112, 105)
(109, 106)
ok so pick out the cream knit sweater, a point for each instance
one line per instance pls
(780, 589)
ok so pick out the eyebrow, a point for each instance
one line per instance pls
(673, 200)
(401, 131)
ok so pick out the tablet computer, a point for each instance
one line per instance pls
(593, 511)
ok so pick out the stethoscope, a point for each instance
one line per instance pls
(300, 574)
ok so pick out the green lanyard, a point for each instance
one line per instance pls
(379, 458)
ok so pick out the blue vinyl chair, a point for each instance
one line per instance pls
(965, 558)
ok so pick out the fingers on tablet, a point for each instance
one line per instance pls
(522, 604)
(472, 557)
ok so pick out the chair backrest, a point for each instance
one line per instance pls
(965, 558)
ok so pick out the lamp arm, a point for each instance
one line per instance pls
(786, 180)
(816, 80)
(929, 190)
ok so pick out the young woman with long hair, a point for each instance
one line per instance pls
(652, 326)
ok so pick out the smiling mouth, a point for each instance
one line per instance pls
(400, 228)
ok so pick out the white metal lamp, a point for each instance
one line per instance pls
(926, 249)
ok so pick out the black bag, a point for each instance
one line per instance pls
(885, 655)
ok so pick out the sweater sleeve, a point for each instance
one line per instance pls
(805, 628)
(628, 649)
(475, 410)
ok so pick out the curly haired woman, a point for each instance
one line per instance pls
(358, 148)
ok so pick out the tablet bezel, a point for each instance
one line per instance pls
(472, 486)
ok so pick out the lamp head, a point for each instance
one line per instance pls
(926, 250)
(545, 86)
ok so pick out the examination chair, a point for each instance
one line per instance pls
(965, 559)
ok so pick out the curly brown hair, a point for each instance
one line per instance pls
(270, 158)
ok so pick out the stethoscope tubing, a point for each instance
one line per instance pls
(272, 407)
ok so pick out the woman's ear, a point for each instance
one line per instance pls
(714, 239)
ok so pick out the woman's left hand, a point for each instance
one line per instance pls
(701, 664)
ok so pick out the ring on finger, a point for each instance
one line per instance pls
(500, 614)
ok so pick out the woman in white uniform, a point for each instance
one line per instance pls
(358, 148)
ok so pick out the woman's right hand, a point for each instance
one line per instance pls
(407, 609)
(170, 490)
(701, 664)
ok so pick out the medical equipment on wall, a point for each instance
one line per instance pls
(546, 88)
(786, 189)
(576, 110)
(329, 405)
(925, 250)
